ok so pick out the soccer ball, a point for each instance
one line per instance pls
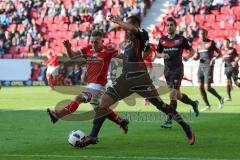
(75, 137)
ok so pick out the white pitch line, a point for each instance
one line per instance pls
(110, 157)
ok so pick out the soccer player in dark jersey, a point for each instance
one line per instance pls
(96, 77)
(134, 79)
(205, 53)
(230, 58)
(170, 48)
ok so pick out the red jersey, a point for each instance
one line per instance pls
(98, 64)
(150, 58)
(52, 61)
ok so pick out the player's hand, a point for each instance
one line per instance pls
(113, 18)
(185, 59)
(67, 44)
(165, 56)
(234, 64)
(212, 62)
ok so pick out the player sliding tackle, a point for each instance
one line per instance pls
(96, 78)
(170, 48)
(134, 79)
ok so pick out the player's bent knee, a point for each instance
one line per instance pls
(106, 101)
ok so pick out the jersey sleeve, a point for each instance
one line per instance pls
(186, 44)
(83, 51)
(160, 47)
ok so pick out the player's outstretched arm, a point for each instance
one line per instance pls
(191, 55)
(124, 25)
(68, 47)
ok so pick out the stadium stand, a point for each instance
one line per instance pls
(220, 17)
(28, 28)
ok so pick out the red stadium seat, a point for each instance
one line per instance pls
(7, 56)
(39, 21)
(220, 17)
(13, 50)
(63, 27)
(48, 20)
(11, 26)
(24, 49)
(210, 18)
(225, 10)
(18, 56)
(237, 25)
(72, 27)
(200, 19)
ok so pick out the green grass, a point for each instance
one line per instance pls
(26, 132)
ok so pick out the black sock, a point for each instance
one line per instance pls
(214, 92)
(99, 118)
(185, 99)
(186, 127)
(204, 97)
(229, 91)
(159, 104)
(173, 104)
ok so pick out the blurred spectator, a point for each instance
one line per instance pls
(4, 20)
(217, 4)
(207, 6)
(192, 9)
(232, 3)
(237, 38)
(35, 72)
(74, 77)
(77, 34)
(2, 50)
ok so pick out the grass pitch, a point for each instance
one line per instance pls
(26, 132)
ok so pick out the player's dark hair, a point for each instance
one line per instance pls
(171, 19)
(204, 31)
(134, 20)
(97, 33)
(227, 39)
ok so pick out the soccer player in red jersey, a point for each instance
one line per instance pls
(230, 58)
(52, 68)
(98, 59)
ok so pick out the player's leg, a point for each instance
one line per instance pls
(95, 101)
(154, 98)
(202, 89)
(183, 97)
(100, 115)
(83, 97)
(186, 100)
(108, 99)
(50, 81)
(208, 81)
(235, 77)
(228, 84)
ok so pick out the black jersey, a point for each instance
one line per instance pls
(174, 48)
(206, 50)
(133, 50)
(229, 56)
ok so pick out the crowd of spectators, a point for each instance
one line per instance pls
(220, 17)
(33, 26)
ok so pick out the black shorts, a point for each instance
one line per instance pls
(205, 74)
(232, 73)
(174, 77)
(139, 83)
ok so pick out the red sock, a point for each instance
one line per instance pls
(72, 107)
(51, 83)
(114, 117)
